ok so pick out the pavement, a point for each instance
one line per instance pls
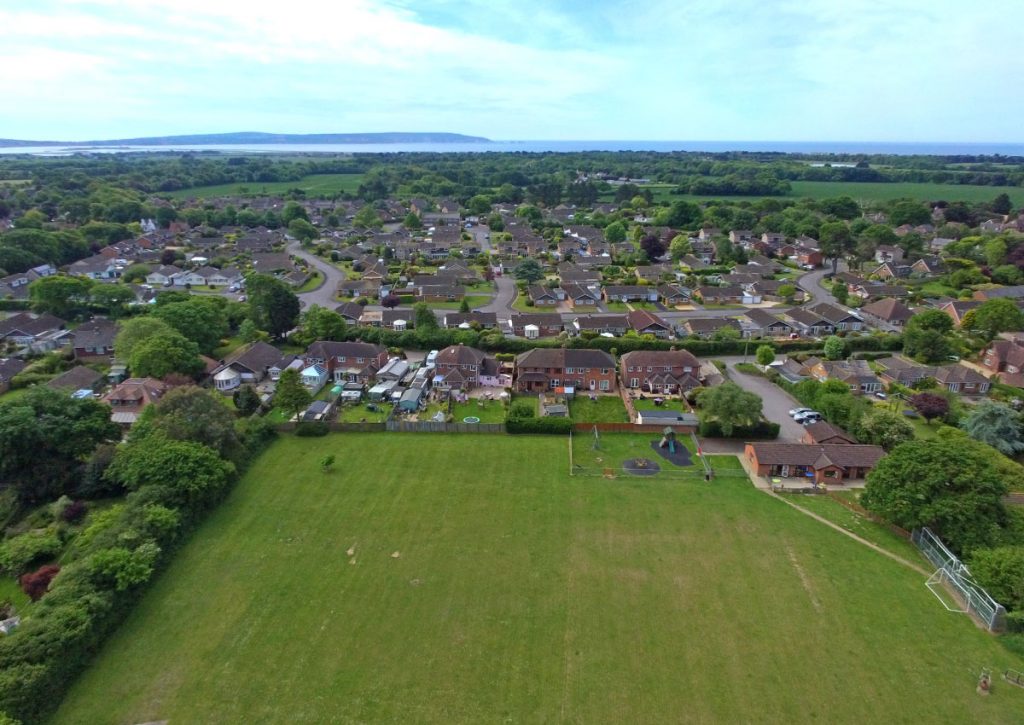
(324, 295)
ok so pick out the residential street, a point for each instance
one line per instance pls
(324, 294)
(810, 283)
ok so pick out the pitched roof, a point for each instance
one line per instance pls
(557, 357)
(642, 319)
(817, 455)
(326, 349)
(660, 358)
(95, 333)
(888, 309)
(460, 355)
(30, 324)
(823, 430)
(77, 378)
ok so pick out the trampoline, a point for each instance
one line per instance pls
(470, 419)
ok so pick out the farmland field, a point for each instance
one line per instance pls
(314, 185)
(469, 578)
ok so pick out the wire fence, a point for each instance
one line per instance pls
(612, 456)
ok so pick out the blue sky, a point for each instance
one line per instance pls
(898, 70)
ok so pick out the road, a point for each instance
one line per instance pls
(777, 402)
(324, 295)
(811, 284)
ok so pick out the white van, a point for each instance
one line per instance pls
(431, 357)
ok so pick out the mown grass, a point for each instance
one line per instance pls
(313, 185)
(488, 411)
(602, 409)
(485, 584)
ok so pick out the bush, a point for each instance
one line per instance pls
(764, 429)
(1015, 621)
(544, 426)
(522, 409)
(312, 430)
(37, 583)
(17, 554)
(74, 512)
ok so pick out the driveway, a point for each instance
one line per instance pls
(324, 294)
(777, 402)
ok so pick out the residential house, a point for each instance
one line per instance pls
(485, 320)
(730, 295)
(40, 333)
(820, 463)
(742, 237)
(810, 324)
(693, 263)
(250, 364)
(672, 295)
(957, 309)
(1005, 358)
(824, 433)
(659, 371)
(578, 295)
(397, 318)
(930, 266)
(962, 379)
(1015, 292)
(350, 312)
(9, 367)
(440, 293)
(872, 289)
(77, 378)
(647, 323)
(463, 368)
(94, 340)
(887, 313)
(761, 323)
(543, 369)
(629, 293)
(542, 296)
(901, 370)
(841, 319)
(98, 267)
(533, 325)
(706, 327)
(164, 275)
(128, 399)
(892, 270)
(615, 325)
(652, 273)
(350, 362)
(855, 373)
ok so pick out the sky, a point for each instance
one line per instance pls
(743, 70)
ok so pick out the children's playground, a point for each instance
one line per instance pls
(664, 454)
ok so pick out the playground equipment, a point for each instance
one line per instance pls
(668, 440)
(1014, 677)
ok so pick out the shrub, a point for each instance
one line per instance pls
(763, 429)
(522, 409)
(74, 512)
(1015, 621)
(547, 426)
(37, 583)
(312, 430)
(17, 554)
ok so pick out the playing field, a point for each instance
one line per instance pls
(314, 185)
(470, 579)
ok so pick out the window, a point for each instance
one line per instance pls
(554, 382)
(650, 369)
(604, 371)
(568, 371)
(634, 382)
(360, 360)
(604, 385)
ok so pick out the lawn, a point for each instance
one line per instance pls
(473, 301)
(625, 307)
(603, 409)
(488, 411)
(313, 185)
(668, 403)
(358, 413)
(485, 584)
(315, 280)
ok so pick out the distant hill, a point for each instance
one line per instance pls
(256, 137)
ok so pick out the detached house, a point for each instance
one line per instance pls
(40, 333)
(659, 371)
(542, 296)
(347, 362)
(94, 340)
(855, 373)
(1005, 358)
(887, 313)
(128, 399)
(647, 323)
(544, 369)
(536, 324)
(250, 365)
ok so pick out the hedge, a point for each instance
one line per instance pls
(11, 305)
(762, 430)
(547, 426)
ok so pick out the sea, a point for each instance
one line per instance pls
(802, 147)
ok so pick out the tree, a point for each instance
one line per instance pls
(925, 336)
(249, 332)
(165, 216)
(679, 247)
(45, 436)
(840, 292)
(292, 211)
(464, 305)
(112, 299)
(320, 323)
(191, 474)
(1002, 204)
(137, 330)
(412, 221)
(247, 400)
(615, 232)
(884, 428)
(59, 295)
(836, 241)
(652, 246)
(929, 405)
(834, 347)
(528, 271)
(367, 217)
(787, 291)
(190, 413)
(1001, 572)
(200, 319)
(302, 230)
(997, 425)
(134, 273)
(908, 212)
(162, 355)
(272, 304)
(424, 318)
(765, 355)
(35, 584)
(391, 300)
(291, 394)
(949, 485)
(681, 215)
(731, 406)
(994, 316)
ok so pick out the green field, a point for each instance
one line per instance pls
(314, 185)
(486, 585)
(864, 192)
(603, 409)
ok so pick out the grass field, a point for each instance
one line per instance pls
(519, 594)
(604, 409)
(314, 185)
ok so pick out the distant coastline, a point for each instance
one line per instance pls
(258, 138)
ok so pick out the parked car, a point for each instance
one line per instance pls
(880, 395)
(810, 416)
(798, 411)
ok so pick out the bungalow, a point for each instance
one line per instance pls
(542, 296)
(94, 340)
(224, 277)
(602, 324)
(128, 399)
(355, 362)
(891, 270)
(579, 296)
(929, 266)
(38, 332)
(855, 373)
(647, 323)
(250, 365)
(887, 313)
(164, 275)
(706, 327)
(652, 273)
(820, 463)
(629, 293)
(724, 295)
(534, 325)
(824, 433)
(962, 379)
(77, 378)
(350, 312)
(463, 368)
(441, 293)
(543, 369)
(761, 323)
(741, 236)
(1015, 292)
(898, 369)
(671, 295)
(659, 371)
(810, 324)
(98, 267)
(485, 320)
(867, 290)
(957, 309)
(9, 367)
(840, 318)
(693, 263)
(400, 319)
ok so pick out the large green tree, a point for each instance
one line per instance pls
(190, 413)
(44, 438)
(161, 355)
(995, 424)
(730, 406)
(137, 330)
(528, 270)
(272, 304)
(320, 323)
(884, 428)
(947, 484)
(291, 394)
(926, 336)
(1001, 572)
(836, 241)
(202, 320)
(994, 316)
(60, 295)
